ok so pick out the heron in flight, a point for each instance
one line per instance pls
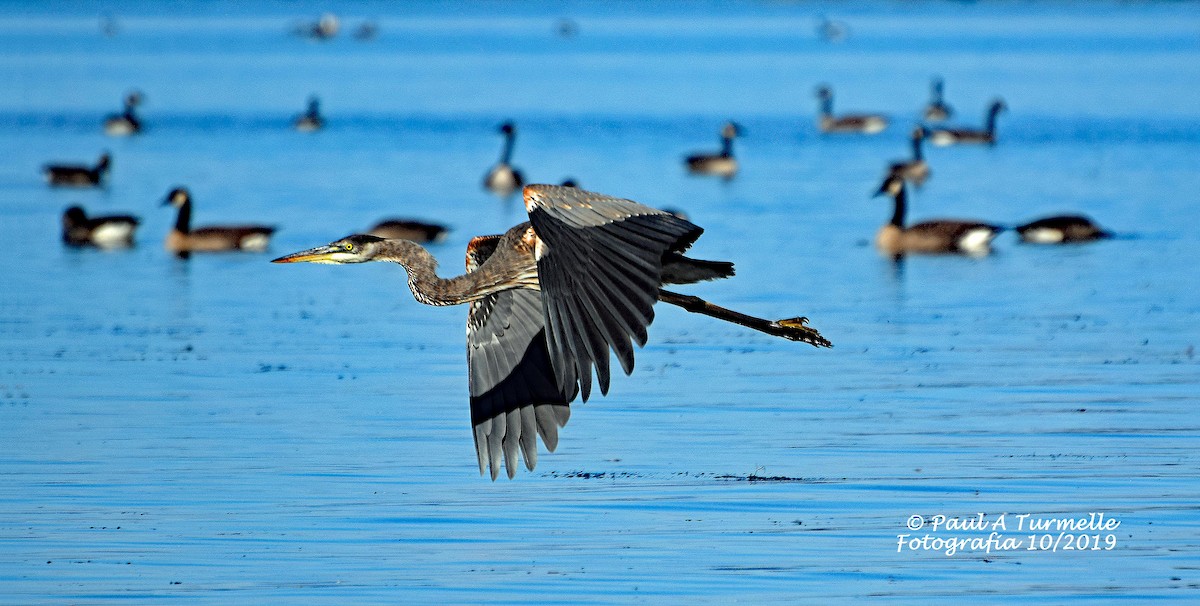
(549, 300)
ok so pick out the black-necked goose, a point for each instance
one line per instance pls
(109, 231)
(1061, 229)
(78, 176)
(868, 124)
(125, 123)
(721, 164)
(930, 237)
(311, 119)
(503, 179)
(182, 239)
(937, 110)
(915, 170)
(956, 136)
(408, 229)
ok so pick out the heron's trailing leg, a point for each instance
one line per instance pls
(793, 329)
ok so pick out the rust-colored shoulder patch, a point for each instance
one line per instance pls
(479, 249)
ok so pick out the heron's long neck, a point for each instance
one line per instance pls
(901, 207)
(183, 220)
(423, 280)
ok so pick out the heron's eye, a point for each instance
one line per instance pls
(349, 246)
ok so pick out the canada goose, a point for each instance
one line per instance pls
(721, 164)
(503, 179)
(937, 110)
(310, 120)
(916, 170)
(111, 231)
(182, 239)
(78, 176)
(953, 136)
(125, 123)
(1061, 229)
(868, 124)
(936, 236)
(407, 229)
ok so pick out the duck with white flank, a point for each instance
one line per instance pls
(109, 231)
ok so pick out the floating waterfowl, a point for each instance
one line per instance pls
(721, 164)
(958, 136)
(109, 231)
(929, 237)
(503, 179)
(937, 110)
(1061, 229)
(67, 175)
(182, 239)
(408, 229)
(915, 170)
(311, 119)
(867, 124)
(125, 123)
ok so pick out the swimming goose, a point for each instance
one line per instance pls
(310, 120)
(1061, 229)
(125, 123)
(182, 239)
(722, 164)
(78, 176)
(111, 231)
(935, 236)
(937, 110)
(503, 179)
(916, 170)
(407, 229)
(868, 124)
(953, 136)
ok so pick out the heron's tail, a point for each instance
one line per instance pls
(678, 269)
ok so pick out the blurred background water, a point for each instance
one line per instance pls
(223, 430)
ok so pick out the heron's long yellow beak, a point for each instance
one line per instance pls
(320, 254)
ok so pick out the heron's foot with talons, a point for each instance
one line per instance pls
(797, 329)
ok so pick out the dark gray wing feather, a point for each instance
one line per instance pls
(600, 269)
(514, 391)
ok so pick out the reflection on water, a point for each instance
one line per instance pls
(223, 428)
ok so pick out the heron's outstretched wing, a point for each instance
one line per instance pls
(600, 265)
(514, 392)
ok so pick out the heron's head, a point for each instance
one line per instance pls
(358, 248)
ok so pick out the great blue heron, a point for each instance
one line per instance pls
(1061, 229)
(934, 236)
(957, 136)
(72, 175)
(721, 164)
(549, 299)
(183, 239)
(937, 110)
(868, 124)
